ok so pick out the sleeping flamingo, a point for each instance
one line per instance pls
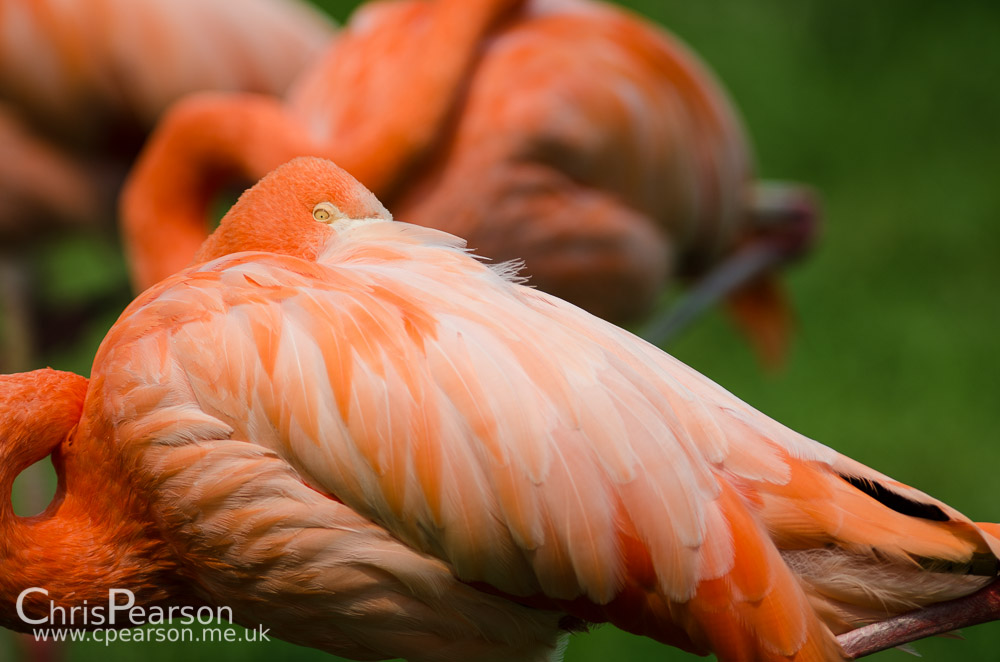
(362, 437)
(568, 134)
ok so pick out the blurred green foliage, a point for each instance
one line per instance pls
(891, 110)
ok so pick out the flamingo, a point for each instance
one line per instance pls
(358, 435)
(569, 134)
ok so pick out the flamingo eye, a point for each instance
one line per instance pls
(326, 212)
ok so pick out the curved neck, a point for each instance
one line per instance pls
(202, 143)
(94, 541)
(38, 411)
(66, 566)
(416, 93)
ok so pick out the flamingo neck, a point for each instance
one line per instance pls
(94, 542)
(203, 144)
(383, 131)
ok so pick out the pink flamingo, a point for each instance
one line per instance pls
(355, 433)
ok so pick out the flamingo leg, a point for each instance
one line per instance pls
(980, 607)
(36, 650)
(785, 222)
(740, 268)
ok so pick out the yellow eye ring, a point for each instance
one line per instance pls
(326, 212)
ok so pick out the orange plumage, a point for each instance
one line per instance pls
(354, 432)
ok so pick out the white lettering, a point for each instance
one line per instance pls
(20, 605)
(137, 615)
(112, 607)
(209, 617)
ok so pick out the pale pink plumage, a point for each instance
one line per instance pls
(529, 446)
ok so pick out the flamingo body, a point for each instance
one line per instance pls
(354, 432)
(599, 151)
(77, 68)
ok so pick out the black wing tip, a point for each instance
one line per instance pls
(896, 501)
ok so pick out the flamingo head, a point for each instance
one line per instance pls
(294, 210)
(38, 411)
(96, 534)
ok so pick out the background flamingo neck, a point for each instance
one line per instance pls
(203, 144)
(405, 111)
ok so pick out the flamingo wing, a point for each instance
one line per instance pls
(532, 447)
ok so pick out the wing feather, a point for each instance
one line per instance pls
(478, 431)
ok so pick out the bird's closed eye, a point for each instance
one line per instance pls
(327, 212)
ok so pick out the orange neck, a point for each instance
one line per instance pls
(403, 116)
(202, 143)
(95, 536)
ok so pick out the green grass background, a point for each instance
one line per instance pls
(891, 109)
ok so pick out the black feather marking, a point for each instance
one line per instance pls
(895, 501)
(979, 564)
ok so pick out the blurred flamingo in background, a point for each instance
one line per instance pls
(85, 73)
(571, 135)
(370, 442)
(82, 83)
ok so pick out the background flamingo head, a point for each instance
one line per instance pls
(294, 210)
